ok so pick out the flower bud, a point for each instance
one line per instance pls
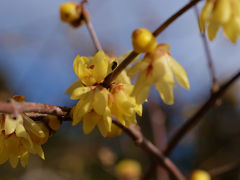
(200, 175)
(143, 41)
(69, 12)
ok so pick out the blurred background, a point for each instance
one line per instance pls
(36, 55)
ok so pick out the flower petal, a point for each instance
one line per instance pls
(90, 120)
(212, 30)
(75, 85)
(222, 12)
(13, 160)
(100, 62)
(179, 73)
(78, 92)
(10, 124)
(166, 92)
(24, 159)
(204, 15)
(100, 101)
(82, 107)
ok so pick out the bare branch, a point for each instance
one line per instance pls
(151, 149)
(190, 123)
(19, 107)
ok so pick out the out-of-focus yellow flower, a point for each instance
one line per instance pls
(19, 137)
(200, 175)
(74, 14)
(143, 41)
(158, 68)
(217, 13)
(128, 170)
(96, 103)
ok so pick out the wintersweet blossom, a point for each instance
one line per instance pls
(217, 13)
(158, 68)
(97, 104)
(19, 137)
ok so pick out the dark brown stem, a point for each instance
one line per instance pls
(190, 123)
(174, 17)
(151, 149)
(119, 69)
(134, 54)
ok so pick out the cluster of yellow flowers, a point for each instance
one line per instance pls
(21, 136)
(217, 13)
(97, 104)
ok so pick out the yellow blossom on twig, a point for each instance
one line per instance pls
(97, 104)
(19, 137)
(158, 68)
(217, 13)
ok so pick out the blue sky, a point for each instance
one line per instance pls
(37, 50)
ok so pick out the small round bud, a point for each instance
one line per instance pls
(143, 41)
(200, 175)
(69, 12)
(128, 170)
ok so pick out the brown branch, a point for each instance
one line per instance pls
(190, 123)
(151, 149)
(133, 54)
(157, 120)
(63, 112)
(6, 107)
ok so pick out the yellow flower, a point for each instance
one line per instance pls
(128, 170)
(19, 137)
(200, 175)
(96, 103)
(158, 68)
(217, 13)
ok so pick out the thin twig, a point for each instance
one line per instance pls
(215, 85)
(133, 54)
(151, 149)
(90, 27)
(223, 169)
(157, 120)
(190, 123)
